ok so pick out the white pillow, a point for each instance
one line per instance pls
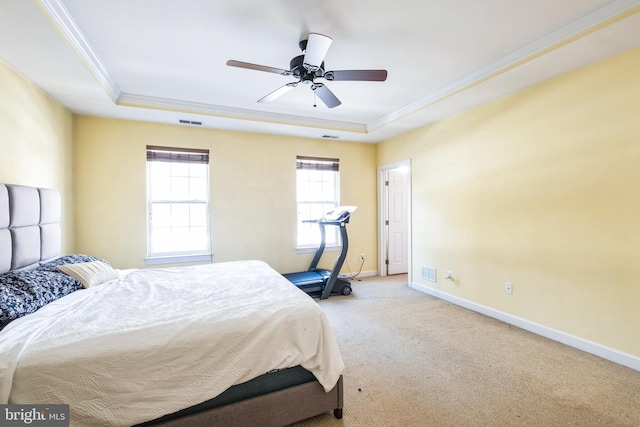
(90, 273)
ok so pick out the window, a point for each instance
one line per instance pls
(177, 205)
(317, 181)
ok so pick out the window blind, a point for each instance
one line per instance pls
(317, 163)
(177, 155)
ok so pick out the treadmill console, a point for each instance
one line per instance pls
(339, 214)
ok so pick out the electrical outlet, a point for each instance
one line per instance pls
(508, 288)
(362, 256)
(449, 275)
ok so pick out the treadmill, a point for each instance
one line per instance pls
(319, 282)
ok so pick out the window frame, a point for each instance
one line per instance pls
(320, 164)
(177, 155)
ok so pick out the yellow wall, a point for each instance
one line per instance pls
(35, 142)
(253, 204)
(540, 189)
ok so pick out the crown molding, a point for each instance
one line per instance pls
(66, 25)
(141, 101)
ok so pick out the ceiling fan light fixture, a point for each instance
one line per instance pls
(316, 49)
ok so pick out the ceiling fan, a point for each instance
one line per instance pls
(310, 66)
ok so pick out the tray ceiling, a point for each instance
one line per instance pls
(165, 61)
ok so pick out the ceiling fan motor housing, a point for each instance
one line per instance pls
(298, 69)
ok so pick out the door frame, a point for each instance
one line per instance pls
(383, 203)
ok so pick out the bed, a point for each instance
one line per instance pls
(219, 344)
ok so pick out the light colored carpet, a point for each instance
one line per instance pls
(414, 360)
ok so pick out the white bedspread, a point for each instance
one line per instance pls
(159, 340)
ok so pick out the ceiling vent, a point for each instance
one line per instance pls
(190, 122)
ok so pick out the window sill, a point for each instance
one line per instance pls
(178, 259)
(313, 249)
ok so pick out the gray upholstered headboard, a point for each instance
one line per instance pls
(29, 226)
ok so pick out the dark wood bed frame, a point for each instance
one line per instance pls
(30, 234)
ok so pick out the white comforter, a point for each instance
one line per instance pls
(159, 340)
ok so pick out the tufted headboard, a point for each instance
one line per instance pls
(29, 226)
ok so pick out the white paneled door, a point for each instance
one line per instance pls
(397, 221)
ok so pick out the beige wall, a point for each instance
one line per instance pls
(252, 191)
(35, 143)
(539, 189)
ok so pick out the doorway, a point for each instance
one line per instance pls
(394, 214)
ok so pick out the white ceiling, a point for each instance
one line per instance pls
(165, 60)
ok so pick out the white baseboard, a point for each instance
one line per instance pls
(613, 355)
(369, 273)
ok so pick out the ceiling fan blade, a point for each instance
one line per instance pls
(257, 67)
(326, 95)
(277, 93)
(357, 75)
(316, 50)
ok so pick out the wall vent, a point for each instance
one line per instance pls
(429, 273)
(330, 136)
(190, 122)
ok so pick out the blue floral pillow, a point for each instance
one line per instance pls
(67, 259)
(24, 292)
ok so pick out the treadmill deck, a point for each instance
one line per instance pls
(306, 278)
